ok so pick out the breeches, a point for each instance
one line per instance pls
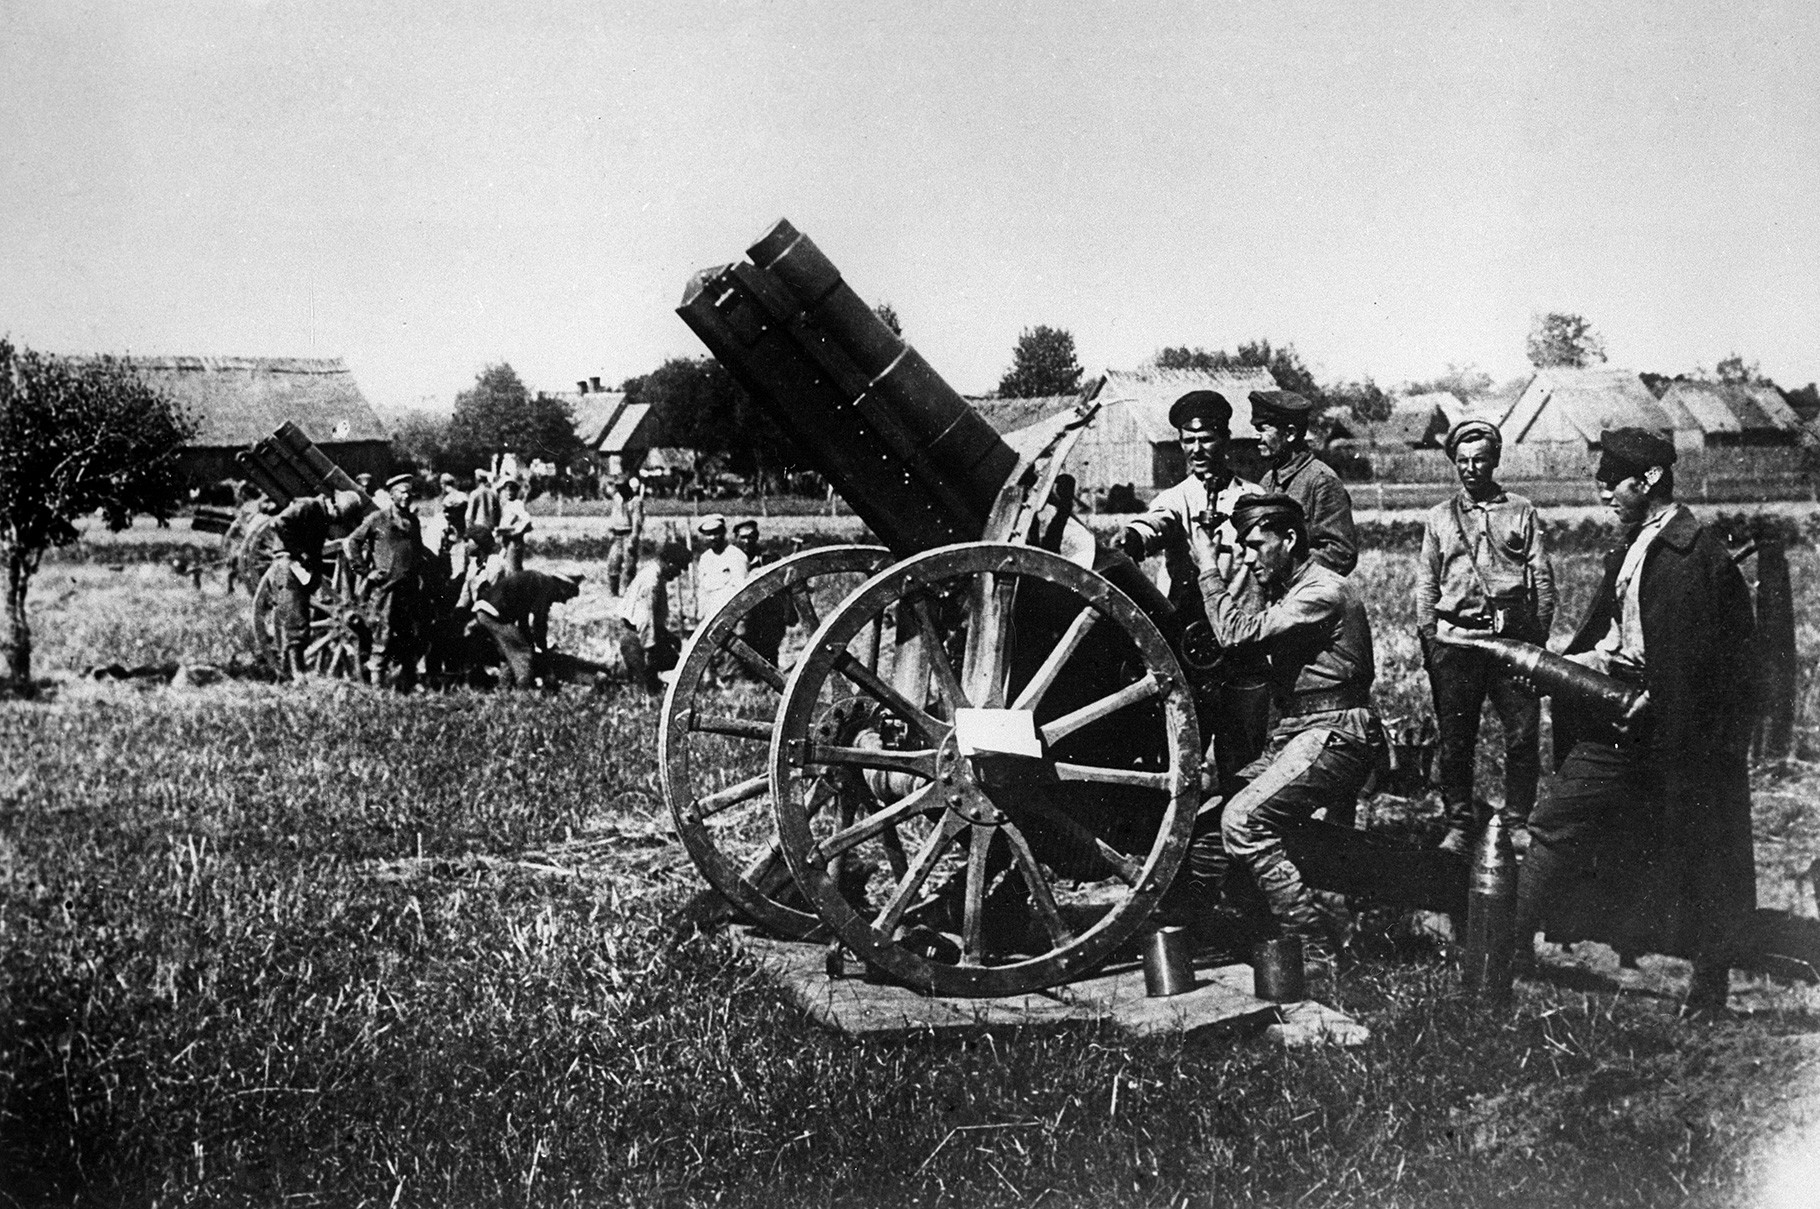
(1462, 680)
(1293, 778)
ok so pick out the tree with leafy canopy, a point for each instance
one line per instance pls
(499, 415)
(1736, 371)
(1561, 338)
(76, 437)
(420, 439)
(1365, 399)
(1043, 363)
(1282, 360)
(699, 406)
(1463, 382)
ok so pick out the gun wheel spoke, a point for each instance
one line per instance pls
(1041, 896)
(1132, 694)
(887, 920)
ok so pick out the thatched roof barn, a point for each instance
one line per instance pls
(1719, 414)
(239, 400)
(1573, 406)
(1415, 422)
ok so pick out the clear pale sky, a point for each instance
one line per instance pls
(424, 188)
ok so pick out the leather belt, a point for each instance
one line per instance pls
(1320, 701)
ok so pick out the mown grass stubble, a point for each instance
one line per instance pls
(346, 948)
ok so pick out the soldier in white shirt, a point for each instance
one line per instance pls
(720, 569)
(1189, 525)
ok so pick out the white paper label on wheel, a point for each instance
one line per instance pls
(997, 732)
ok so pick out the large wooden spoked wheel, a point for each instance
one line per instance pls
(715, 732)
(937, 853)
(340, 631)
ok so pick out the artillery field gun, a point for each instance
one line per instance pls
(287, 465)
(981, 773)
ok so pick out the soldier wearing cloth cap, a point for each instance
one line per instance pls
(720, 569)
(1645, 841)
(1281, 418)
(1483, 567)
(388, 549)
(1312, 624)
(1190, 525)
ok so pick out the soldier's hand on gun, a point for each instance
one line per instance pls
(1131, 543)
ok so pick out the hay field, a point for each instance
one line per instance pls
(327, 946)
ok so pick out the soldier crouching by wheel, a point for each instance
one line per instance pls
(1312, 625)
(388, 549)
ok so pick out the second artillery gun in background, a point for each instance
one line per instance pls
(285, 466)
(984, 766)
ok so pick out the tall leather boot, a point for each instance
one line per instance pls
(1291, 904)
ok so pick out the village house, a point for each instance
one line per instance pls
(618, 436)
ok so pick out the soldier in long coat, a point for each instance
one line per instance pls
(1645, 842)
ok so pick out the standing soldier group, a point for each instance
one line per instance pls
(1645, 840)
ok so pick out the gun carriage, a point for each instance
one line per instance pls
(982, 770)
(285, 466)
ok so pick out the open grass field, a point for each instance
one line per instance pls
(325, 946)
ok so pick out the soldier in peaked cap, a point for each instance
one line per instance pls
(1189, 525)
(1645, 841)
(763, 626)
(1312, 625)
(1483, 567)
(1281, 418)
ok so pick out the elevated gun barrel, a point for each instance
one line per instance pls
(288, 464)
(1554, 676)
(911, 457)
